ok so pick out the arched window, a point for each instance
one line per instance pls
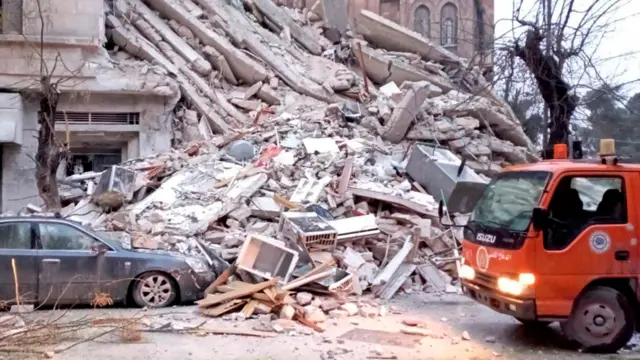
(449, 24)
(422, 20)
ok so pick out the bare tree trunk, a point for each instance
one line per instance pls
(49, 153)
(553, 88)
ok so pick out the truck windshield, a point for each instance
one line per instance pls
(508, 201)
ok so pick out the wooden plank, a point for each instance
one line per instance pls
(223, 308)
(302, 281)
(249, 308)
(271, 294)
(248, 290)
(240, 332)
(222, 279)
(231, 286)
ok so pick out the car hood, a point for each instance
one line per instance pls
(124, 244)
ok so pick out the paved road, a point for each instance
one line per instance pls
(492, 336)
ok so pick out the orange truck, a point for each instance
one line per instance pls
(557, 240)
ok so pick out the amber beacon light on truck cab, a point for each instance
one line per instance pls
(557, 240)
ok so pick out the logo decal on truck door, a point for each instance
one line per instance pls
(482, 258)
(599, 242)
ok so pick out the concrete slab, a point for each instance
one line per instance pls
(389, 35)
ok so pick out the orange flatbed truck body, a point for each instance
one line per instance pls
(540, 275)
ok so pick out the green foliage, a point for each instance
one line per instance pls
(610, 116)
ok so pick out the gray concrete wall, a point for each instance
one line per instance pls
(155, 120)
(18, 166)
(80, 20)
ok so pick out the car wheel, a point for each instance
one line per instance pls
(534, 323)
(154, 290)
(602, 320)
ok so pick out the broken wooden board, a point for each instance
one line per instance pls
(211, 300)
(223, 308)
(239, 332)
(249, 308)
(220, 280)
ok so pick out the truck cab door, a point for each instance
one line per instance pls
(590, 236)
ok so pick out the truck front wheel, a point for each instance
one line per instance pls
(602, 320)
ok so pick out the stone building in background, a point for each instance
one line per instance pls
(110, 110)
(466, 27)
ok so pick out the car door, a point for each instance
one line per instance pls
(593, 240)
(17, 242)
(70, 271)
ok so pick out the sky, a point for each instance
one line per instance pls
(623, 37)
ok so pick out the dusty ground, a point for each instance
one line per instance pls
(493, 336)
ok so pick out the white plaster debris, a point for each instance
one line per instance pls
(303, 133)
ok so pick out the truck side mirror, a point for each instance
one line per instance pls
(540, 218)
(441, 214)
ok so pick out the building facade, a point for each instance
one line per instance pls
(109, 110)
(466, 27)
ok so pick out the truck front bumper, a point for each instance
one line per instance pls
(524, 309)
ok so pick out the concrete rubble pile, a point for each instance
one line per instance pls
(289, 167)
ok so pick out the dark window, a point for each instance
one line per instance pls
(449, 25)
(64, 237)
(579, 202)
(15, 236)
(422, 21)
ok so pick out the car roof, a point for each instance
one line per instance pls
(40, 218)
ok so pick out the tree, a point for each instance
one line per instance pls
(609, 118)
(556, 47)
(46, 90)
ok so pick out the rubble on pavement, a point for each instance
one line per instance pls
(273, 122)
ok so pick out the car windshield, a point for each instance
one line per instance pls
(509, 200)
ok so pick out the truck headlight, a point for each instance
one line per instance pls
(197, 265)
(527, 279)
(510, 286)
(466, 272)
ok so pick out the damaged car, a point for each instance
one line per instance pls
(60, 262)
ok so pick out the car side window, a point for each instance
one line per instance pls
(64, 237)
(15, 236)
(579, 202)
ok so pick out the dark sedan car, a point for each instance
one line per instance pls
(61, 262)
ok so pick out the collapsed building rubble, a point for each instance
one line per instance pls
(290, 171)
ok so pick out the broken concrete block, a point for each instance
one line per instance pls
(329, 304)
(304, 298)
(243, 66)
(404, 115)
(350, 308)
(369, 312)
(287, 312)
(314, 314)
